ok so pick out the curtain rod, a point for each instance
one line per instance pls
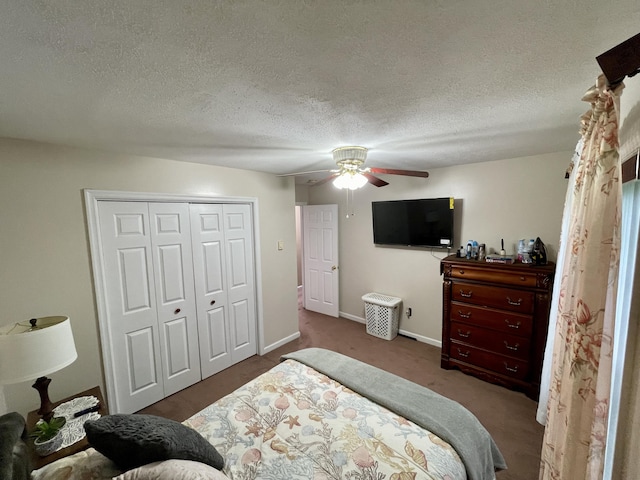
(621, 61)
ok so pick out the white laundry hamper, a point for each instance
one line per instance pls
(382, 313)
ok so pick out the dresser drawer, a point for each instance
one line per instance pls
(484, 295)
(502, 343)
(508, 322)
(507, 366)
(485, 275)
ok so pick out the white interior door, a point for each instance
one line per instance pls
(131, 305)
(173, 274)
(209, 266)
(238, 235)
(320, 250)
(223, 259)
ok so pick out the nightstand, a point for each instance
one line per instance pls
(32, 418)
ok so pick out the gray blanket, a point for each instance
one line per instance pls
(448, 419)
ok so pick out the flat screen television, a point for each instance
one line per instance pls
(426, 222)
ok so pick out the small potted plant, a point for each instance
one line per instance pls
(45, 436)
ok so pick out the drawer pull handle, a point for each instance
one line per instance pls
(466, 335)
(176, 311)
(464, 315)
(463, 354)
(511, 369)
(512, 347)
(515, 303)
(512, 325)
(465, 294)
(522, 279)
(461, 272)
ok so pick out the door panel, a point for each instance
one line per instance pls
(211, 297)
(242, 323)
(133, 275)
(177, 347)
(131, 304)
(217, 346)
(320, 251)
(238, 263)
(238, 237)
(140, 358)
(214, 267)
(171, 243)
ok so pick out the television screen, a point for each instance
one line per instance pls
(425, 222)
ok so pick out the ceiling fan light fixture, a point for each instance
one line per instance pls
(358, 154)
(350, 180)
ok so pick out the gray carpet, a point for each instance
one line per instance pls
(509, 416)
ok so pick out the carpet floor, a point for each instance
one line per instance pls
(509, 416)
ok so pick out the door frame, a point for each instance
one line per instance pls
(300, 244)
(92, 197)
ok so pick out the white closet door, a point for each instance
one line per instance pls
(131, 304)
(210, 275)
(173, 273)
(240, 280)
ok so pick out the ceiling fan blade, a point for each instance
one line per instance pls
(392, 171)
(378, 182)
(324, 180)
(302, 173)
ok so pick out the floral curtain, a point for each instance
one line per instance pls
(545, 380)
(576, 427)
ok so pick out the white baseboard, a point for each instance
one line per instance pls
(406, 333)
(348, 316)
(421, 338)
(279, 343)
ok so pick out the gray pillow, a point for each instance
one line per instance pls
(134, 440)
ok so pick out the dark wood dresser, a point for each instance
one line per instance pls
(494, 320)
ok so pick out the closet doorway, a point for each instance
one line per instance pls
(175, 280)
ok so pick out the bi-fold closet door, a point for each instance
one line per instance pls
(180, 294)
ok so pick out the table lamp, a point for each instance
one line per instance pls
(34, 349)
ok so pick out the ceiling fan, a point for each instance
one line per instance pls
(352, 175)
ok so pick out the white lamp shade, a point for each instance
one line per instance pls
(27, 354)
(350, 180)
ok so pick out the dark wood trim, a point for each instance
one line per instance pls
(631, 168)
(621, 61)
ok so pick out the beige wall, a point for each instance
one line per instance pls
(510, 199)
(45, 251)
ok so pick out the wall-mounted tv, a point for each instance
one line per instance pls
(426, 222)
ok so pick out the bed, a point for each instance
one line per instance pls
(319, 415)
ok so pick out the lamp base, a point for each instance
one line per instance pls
(46, 407)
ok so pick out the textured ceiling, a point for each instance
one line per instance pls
(274, 86)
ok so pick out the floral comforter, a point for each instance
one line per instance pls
(293, 422)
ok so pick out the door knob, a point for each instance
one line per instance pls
(212, 302)
(334, 268)
(176, 311)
